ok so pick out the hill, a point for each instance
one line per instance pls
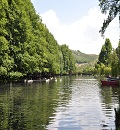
(83, 58)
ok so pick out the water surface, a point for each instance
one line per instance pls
(75, 103)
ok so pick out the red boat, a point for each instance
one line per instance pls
(110, 82)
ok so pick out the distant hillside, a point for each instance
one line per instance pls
(83, 58)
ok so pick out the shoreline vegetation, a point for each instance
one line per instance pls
(28, 49)
(26, 45)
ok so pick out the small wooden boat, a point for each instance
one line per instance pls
(110, 82)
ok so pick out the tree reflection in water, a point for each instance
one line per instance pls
(38, 105)
(113, 94)
(31, 106)
(117, 112)
(117, 119)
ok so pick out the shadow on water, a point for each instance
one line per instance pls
(117, 121)
(112, 94)
(31, 107)
(117, 112)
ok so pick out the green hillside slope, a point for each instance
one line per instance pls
(83, 58)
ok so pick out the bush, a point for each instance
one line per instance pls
(15, 75)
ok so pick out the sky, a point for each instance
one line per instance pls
(76, 23)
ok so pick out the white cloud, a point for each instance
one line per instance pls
(83, 34)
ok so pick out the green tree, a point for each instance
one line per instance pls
(105, 54)
(53, 51)
(118, 54)
(107, 70)
(97, 69)
(114, 64)
(112, 7)
(68, 60)
(102, 69)
(6, 62)
(26, 45)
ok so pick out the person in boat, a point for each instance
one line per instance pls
(109, 78)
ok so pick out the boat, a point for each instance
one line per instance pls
(110, 82)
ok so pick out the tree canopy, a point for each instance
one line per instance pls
(104, 56)
(108, 60)
(110, 7)
(26, 45)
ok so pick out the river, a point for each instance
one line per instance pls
(75, 103)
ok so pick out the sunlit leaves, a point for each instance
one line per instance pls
(108, 61)
(68, 60)
(15, 75)
(3, 44)
(104, 56)
(114, 64)
(118, 54)
(26, 45)
(3, 70)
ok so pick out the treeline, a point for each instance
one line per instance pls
(26, 45)
(108, 60)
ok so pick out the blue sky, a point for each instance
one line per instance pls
(67, 10)
(77, 23)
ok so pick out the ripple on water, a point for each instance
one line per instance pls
(84, 110)
(73, 104)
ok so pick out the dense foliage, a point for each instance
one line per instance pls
(112, 7)
(26, 45)
(85, 68)
(118, 55)
(105, 54)
(109, 60)
(68, 62)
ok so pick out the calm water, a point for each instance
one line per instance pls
(75, 103)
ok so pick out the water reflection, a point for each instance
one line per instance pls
(76, 103)
(27, 107)
(85, 109)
